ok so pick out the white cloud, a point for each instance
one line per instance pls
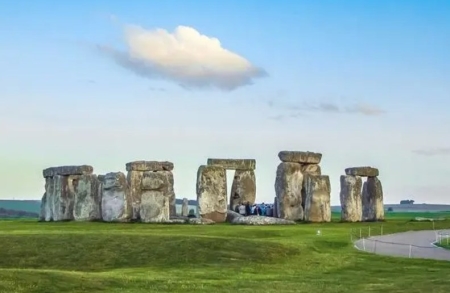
(185, 56)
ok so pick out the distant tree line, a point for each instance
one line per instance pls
(407, 201)
(5, 213)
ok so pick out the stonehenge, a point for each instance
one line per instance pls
(302, 192)
(212, 187)
(361, 201)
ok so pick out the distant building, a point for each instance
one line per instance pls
(407, 201)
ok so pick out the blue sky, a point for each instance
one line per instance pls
(363, 82)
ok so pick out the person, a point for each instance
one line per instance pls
(262, 208)
(242, 209)
(248, 209)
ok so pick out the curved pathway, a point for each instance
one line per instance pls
(414, 244)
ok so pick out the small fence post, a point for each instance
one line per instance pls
(410, 250)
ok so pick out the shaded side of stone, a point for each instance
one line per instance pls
(350, 197)
(48, 200)
(233, 164)
(362, 171)
(63, 199)
(68, 170)
(134, 179)
(149, 166)
(288, 190)
(171, 194)
(300, 157)
(312, 169)
(243, 189)
(318, 193)
(372, 200)
(87, 197)
(275, 207)
(116, 199)
(212, 193)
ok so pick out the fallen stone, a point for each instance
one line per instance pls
(87, 197)
(317, 206)
(231, 215)
(68, 170)
(300, 157)
(312, 169)
(200, 221)
(261, 220)
(63, 199)
(243, 189)
(350, 196)
(149, 166)
(212, 193)
(362, 171)
(154, 207)
(372, 200)
(233, 164)
(116, 199)
(185, 207)
(288, 189)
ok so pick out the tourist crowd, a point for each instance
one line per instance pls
(246, 209)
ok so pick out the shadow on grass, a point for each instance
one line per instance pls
(80, 252)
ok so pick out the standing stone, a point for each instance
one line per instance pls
(116, 199)
(243, 189)
(275, 207)
(47, 199)
(171, 194)
(372, 200)
(288, 189)
(350, 196)
(312, 169)
(63, 199)
(212, 193)
(87, 197)
(134, 179)
(185, 208)
(154, 206)
(317, 204)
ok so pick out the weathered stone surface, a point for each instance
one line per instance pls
(134, 179)
(231, 215)
(68, 170)
(149, 166)
(154, 207)
(185, 207)
(63, 199)
(87, 197)
(200, 221)
(171, 194)
(212, 193)
(243, 189)
(101, 178)
(288, 189)
(317, 205)
(275, 207)
(350, 196)
(42, 209)
(47, 200)
(362, 171)
(233, 164)
(261, 220)
(372, 200)
(300, 157)
(116, 199)
(312, 169)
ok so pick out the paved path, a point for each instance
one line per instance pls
(414, 244)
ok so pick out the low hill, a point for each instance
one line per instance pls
(32, 206)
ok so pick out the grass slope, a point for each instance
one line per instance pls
(100, 257)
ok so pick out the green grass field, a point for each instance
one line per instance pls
(101, 257)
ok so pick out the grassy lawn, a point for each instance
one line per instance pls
(100, 257)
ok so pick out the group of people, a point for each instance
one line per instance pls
(246, 209)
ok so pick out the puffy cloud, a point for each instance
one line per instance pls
(185, 56)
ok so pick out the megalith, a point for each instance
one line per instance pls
(372, 200)
(87, 197)
(162, 196)
(317, 190)
(212, 193)
(350, 196)
(116, 199)
(185, 207)
(59, 199)
(288, 189)
(243, 189)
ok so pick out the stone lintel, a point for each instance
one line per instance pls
(68, 170)
(233, 164)
(143, 166)
(362, 171)
(300, 157)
